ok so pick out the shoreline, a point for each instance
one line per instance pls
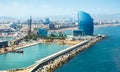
(31, 44)
(95, 26)
(21, 46)
(106, 25)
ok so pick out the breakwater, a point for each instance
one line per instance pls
(50, 63)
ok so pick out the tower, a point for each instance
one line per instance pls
(47, 21)
(85, 23)
(29, 25)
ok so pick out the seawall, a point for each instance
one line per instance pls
(50, 63)
(53, 56)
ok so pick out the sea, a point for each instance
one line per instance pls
(104, 56)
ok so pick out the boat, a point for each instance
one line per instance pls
(17, 51)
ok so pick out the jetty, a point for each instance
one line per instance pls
(50, 57)
(50, 63)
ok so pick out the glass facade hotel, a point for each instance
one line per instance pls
(85, 23)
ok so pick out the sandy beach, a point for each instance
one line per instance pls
(95, 26)
(24, 45)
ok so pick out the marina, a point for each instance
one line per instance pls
(30, 55)
(46, 59)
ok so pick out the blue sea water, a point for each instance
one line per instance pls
(30, 55)
(104, 56)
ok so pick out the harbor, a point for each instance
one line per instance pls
(37, 49)
(23, 60)
(51, 62)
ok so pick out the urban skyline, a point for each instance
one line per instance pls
(41, 8)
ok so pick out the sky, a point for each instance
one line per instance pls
(42, 8)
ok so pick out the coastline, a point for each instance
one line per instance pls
(106, 25)
(75, 54)
(30, 44)
(21, 46)
(95, 26)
